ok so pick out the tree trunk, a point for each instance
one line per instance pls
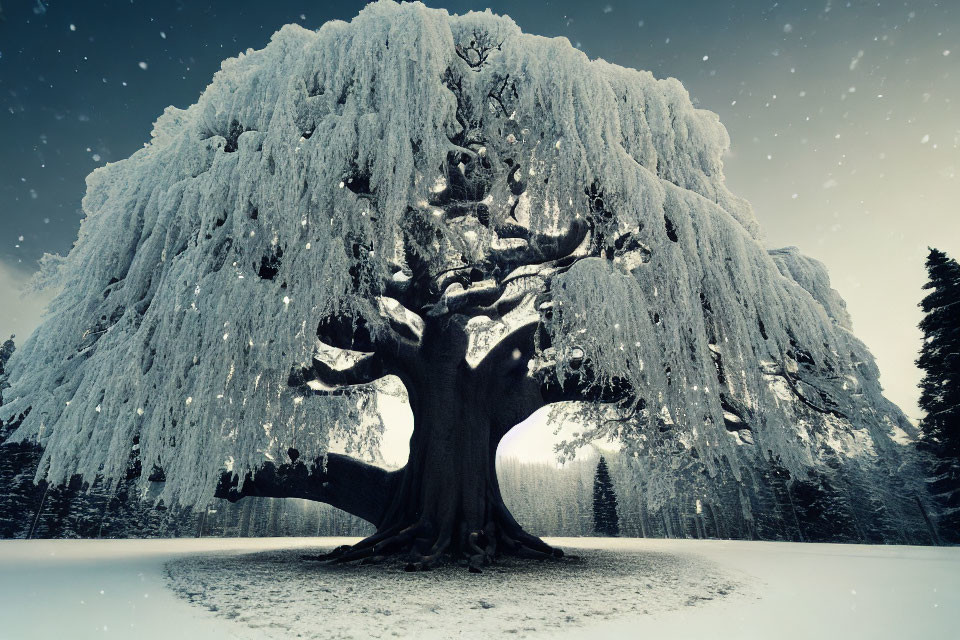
(446, 499)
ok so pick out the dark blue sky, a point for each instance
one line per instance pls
(843, 116)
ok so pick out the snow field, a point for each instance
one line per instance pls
(620, 588)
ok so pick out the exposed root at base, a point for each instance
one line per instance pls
(423, 549)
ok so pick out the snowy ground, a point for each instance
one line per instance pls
(259, 588)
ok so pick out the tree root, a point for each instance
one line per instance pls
(326, 556)
(423, 549)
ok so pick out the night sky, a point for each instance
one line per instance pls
(843, 117)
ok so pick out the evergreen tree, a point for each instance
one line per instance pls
(940, 387)
(19, 496)
(6, 350)
(605, 520)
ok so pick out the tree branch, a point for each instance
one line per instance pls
(504, 305)
(542, 249)
(792, 383)
(465, 301)
(584, 387)
(365, 371)
(356, 487)
(346, 333)
(514, 349)
(392, 347)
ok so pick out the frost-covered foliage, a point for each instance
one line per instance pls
(735, 358)
(287, 194)
(812, 276)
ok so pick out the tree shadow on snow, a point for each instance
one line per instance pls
(280, 593)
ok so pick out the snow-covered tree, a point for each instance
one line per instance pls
(487, 218)
(6, 350)
(940, 387)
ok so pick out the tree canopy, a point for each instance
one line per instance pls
(241, 284)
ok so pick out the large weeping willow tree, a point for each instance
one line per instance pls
(489, 219)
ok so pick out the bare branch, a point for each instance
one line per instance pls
(497, 96)
(343, 482)
(476, 52)
(516, 348)
(541, 248)
(365, 371)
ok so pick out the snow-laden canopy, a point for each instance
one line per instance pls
(286, 193)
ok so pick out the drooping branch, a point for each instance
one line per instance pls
(585, 388)
(792, 384)
(420, 288)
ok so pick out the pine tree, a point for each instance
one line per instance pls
(940, 356)
(940, 387)
(19, 496)
(6, 350)
(605, 520)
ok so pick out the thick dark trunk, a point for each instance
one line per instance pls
(446, 500)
